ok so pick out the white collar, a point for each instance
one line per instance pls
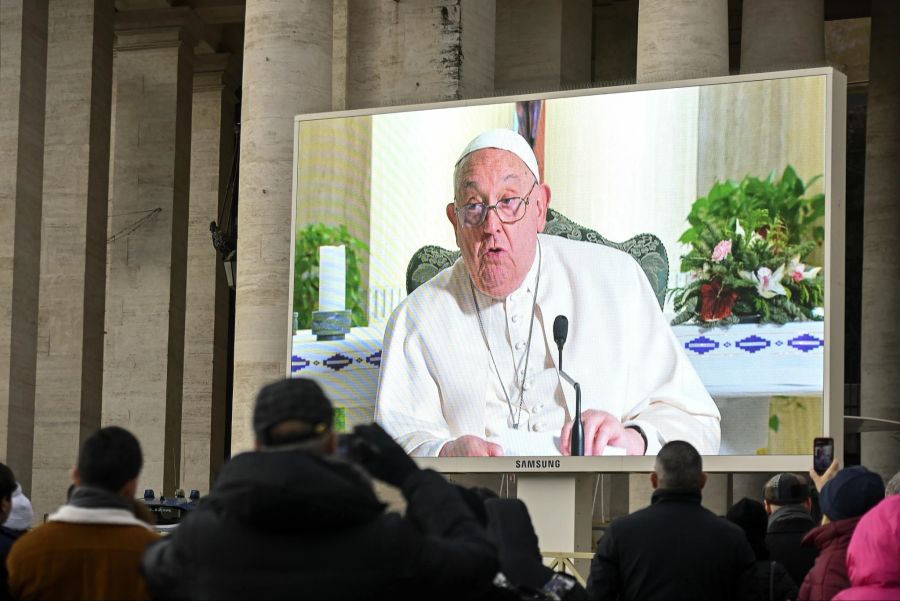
(100, 515)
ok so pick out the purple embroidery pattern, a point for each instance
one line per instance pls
(337, 362)
(753, 344)
(701, 345)
(806, 343)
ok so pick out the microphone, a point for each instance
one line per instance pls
(560, 333)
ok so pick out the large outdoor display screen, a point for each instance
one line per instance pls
(690, 236)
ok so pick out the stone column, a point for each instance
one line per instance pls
(145, 292)
(419, 51)
(69, 379)
(782, 35)
(23, 77)
(542, 44)
(682, 39)
(287, 71)
(339, 56)
(206, 311)
(615, 41)
(881, 271)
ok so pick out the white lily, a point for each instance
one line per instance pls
(798, 272)
(768, 283)
(738, 229)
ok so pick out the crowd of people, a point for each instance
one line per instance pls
(298, 517)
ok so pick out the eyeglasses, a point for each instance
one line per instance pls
(509, 210)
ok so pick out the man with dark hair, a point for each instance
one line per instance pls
(299, 519)
(786, 499)
(674, 549)
(91, 547)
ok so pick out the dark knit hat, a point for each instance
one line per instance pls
(751, 516)
(851, 493)
(293, 399)
(786, 489)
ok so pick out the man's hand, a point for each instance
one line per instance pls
(471, 446)
(830, 473)
(601, 429)
(386, 460)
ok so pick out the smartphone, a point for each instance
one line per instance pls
(823, 454)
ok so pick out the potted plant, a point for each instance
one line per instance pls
(751, 242)
(306, 271)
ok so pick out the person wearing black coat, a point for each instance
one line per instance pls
(787, 501)
(674, 549)
(775, 584)
(293, 521)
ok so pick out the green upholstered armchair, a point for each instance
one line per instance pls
(647, 250)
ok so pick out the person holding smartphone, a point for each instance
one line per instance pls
(844, 496)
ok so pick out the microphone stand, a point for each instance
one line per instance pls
(577, 438)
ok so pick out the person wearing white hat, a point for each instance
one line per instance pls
(467, 367)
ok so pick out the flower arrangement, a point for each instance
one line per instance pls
(750, 243)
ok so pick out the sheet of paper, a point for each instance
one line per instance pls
(538, 444)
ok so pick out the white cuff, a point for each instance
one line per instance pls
(430, 448)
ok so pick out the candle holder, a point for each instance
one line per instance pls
(331, 325)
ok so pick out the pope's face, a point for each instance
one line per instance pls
(498, 255)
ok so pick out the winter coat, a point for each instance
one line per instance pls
(511, 529)
(81, 554)
(674, 549)
(775, 584)
(787, 527)
(828, 575)
(293, 525)
(873, 557)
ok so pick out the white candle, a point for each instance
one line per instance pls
(332, 278)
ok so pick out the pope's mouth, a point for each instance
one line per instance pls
(493, 253)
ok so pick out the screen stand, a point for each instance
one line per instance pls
(561, 508)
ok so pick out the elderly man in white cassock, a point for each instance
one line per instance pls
(470, 364)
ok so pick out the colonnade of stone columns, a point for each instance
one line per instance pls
(94, 311)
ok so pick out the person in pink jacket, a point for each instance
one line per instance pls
(873, 557)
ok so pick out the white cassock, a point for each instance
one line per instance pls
(438, 380)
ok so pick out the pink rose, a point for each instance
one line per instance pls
(722, 250)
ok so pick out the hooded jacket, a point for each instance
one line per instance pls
(289, 524)
(829, 574)
(873, 557)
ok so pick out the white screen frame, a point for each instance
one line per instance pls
(834, 181)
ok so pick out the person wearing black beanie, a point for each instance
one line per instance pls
(775, 584)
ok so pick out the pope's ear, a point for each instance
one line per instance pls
(454, 219)
(542, 204)
(451, 214)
